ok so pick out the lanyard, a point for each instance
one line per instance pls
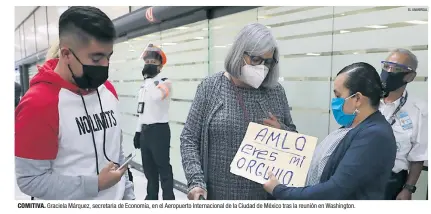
(240, 101)
(403, 101)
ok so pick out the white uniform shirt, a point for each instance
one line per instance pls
(410, 130)
(153, 101)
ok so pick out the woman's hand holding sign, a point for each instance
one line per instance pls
(271, 184)
(272, 122)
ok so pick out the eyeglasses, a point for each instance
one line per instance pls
(257, 60)
(395, 67)
(153, 61)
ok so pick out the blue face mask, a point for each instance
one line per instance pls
(342, 118)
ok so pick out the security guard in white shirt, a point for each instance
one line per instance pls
(153, 134)
(409, 119)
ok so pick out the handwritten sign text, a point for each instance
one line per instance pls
(264, 149)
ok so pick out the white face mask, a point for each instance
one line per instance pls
(253, 75)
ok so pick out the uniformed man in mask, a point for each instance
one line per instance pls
(409, 119)
(153, 133)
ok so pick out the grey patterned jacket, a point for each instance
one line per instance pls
(194, 137)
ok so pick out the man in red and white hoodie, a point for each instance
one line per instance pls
(67, 125)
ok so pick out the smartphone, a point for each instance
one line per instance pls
(128, 159)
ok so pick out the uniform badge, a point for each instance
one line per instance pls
(405, 120)
(141, 107)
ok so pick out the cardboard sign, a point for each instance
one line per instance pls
(264, 149)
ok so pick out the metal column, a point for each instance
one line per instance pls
(23, 71)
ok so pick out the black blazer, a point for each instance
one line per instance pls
(358, 169)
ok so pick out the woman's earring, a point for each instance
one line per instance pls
(357, 111)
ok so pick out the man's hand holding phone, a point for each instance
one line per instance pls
(110, 175)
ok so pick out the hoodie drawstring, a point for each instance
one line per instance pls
(104, 125)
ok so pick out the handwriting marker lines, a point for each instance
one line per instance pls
(276, 149)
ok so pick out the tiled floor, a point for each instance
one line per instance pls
(140, 189)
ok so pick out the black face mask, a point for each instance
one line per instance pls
(393, 81)
(92, 77)
(150, 71)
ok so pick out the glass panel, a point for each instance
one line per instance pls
(301, 33)
(41, 29)
(54, 13)
(114, 12)
(369, 36)
(17, 46)
(222, 33)
(29, 36)
(22, 40)
(17, 76)
(186, 48)
(136, 7)
(32, 70)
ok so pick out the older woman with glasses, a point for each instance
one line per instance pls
(224, 105)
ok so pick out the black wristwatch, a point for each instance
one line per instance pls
(410, 188)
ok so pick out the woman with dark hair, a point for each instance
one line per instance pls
(355, 161)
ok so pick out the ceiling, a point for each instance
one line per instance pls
(22, 12)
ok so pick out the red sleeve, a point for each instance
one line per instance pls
(36, 124)
(111, 88)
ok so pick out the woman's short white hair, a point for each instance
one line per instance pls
(254, 39)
